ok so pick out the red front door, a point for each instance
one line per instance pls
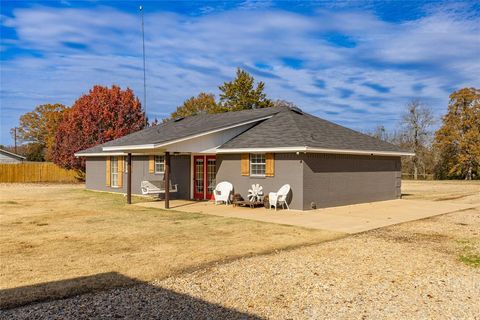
(204, 170)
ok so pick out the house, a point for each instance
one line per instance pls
(10, 157)
(325, 164)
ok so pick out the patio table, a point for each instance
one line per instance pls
(245, 203)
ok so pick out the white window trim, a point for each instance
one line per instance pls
(160, 162)
(112, 160)
(264, 163)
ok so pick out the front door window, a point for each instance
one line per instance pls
(204, 170)
(211, 171)
(199, 182)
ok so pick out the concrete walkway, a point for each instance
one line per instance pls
(350, 219)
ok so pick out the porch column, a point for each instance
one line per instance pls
(167, 180)
(129, 178)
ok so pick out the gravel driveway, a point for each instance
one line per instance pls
(411, 270)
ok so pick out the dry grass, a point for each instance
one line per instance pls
(461, 239)
(440, 190)
(56, 232)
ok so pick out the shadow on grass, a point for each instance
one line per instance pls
(109, 295)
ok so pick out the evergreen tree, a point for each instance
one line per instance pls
(241, 93)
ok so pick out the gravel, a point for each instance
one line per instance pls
(408, 271)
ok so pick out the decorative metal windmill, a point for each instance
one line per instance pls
(255, 193)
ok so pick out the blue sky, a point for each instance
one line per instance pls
(356, 63)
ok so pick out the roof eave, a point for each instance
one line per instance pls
(360, 152)
(317, 150)
(129, 147)
(14, 154)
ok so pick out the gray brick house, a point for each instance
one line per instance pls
(326, 164)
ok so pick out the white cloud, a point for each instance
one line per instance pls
(77, 48)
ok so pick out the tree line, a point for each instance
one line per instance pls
(55, 132)
(452, 151)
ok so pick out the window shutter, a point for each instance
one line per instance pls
(107, 172)
(245, 164)
(151, 164)
(120, 172)
(269, 164)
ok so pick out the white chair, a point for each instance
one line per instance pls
(222, 192)
(279, 198)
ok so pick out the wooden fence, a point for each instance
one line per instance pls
(35, 172)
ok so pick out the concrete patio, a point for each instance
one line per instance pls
(349, 219)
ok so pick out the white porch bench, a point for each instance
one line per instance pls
(156, 187)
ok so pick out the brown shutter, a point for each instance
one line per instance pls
(245, 164)
(120, 172)
(269, 164)
(107, 172)
(151, 164)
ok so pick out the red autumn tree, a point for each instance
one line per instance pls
(101, 115)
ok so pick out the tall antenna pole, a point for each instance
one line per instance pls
(144, 77)
(15, 130)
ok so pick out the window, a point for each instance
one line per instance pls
(114, 172)
(159, 164)
(257, 164)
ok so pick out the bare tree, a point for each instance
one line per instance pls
(379, 132)
(416, 124)
(284, 103)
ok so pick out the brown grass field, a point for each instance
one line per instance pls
(56, 232)
(50, 233)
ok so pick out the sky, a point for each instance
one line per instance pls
(356, 63)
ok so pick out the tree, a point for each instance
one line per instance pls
(284, 103)
(416, 124)
(458, 140)
(39, 128)
(101, 115)
(203, 103)
(380, 133)
(240, 93)
(34, 152)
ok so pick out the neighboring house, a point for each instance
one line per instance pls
(325, 164)
(10, 157)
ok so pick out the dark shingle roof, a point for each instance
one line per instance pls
(297, 129)
(285, 128)
(186, 127)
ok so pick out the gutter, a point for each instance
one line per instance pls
(306, 149)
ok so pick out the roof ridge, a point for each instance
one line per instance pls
(259, 117)
(290, 113)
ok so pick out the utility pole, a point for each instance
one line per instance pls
(15, 138)
(144, 77)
